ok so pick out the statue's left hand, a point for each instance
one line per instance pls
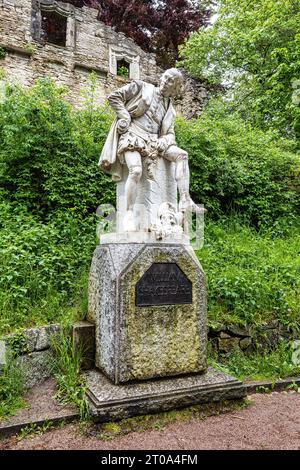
(161, 145)
(123, 126)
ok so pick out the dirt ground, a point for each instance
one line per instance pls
(271, 421)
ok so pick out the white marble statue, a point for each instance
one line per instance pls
(139, 150)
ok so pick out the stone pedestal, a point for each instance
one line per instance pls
(148, 303)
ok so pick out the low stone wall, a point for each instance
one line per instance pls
(32, 347)
(249, 338)
(32, 351)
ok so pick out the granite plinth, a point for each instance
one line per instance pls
(136, 342)
(109, 402)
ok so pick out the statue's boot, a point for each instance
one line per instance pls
(128, 222)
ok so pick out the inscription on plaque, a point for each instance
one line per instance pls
(163, 284)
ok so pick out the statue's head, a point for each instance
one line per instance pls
(168, 214)
(171, 83)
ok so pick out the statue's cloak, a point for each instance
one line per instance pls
(135, 99)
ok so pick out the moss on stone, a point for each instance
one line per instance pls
(165, 340)
(160, 420)
(139, 343)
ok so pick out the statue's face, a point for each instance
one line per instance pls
(168, 85)
(168, 219)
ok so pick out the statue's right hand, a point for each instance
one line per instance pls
(123, 126)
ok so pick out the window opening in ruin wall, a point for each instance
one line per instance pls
(53, 28)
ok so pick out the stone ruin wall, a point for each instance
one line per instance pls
(91, 46)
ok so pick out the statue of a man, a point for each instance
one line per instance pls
(144, 128)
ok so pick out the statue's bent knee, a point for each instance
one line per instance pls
(182, 155)
(135, 172)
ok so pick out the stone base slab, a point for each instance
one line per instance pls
(109, 402)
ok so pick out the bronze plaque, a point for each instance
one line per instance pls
(163, 284)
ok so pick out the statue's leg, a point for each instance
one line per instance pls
(134, 163)
(182, 175)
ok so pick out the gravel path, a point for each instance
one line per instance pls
(271, 422)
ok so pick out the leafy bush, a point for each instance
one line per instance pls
(252, 278)
(253, 48)
(43, 266)
(48, 151)
(236, 168)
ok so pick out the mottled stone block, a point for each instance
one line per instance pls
(228, 344)
(84, 343)
(143, 342)
(32, 339)
(45, 335)
(36, 367)
(109, 402)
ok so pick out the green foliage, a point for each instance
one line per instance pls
(43, 267)
(34, 430)
(49, 152)
(272, 365)
(17, 344)
(293, 386)
(252, 277)
(11, 387)
(2, 53)
(123, 71)
(255, 46)
(30, 48)
(236, 168)
(66, 370)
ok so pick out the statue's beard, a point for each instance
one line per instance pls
(164, 88)
(166, 91)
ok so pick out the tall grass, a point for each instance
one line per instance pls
(11, 388)
(66, 370)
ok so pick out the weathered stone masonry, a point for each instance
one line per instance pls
(89, 46)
